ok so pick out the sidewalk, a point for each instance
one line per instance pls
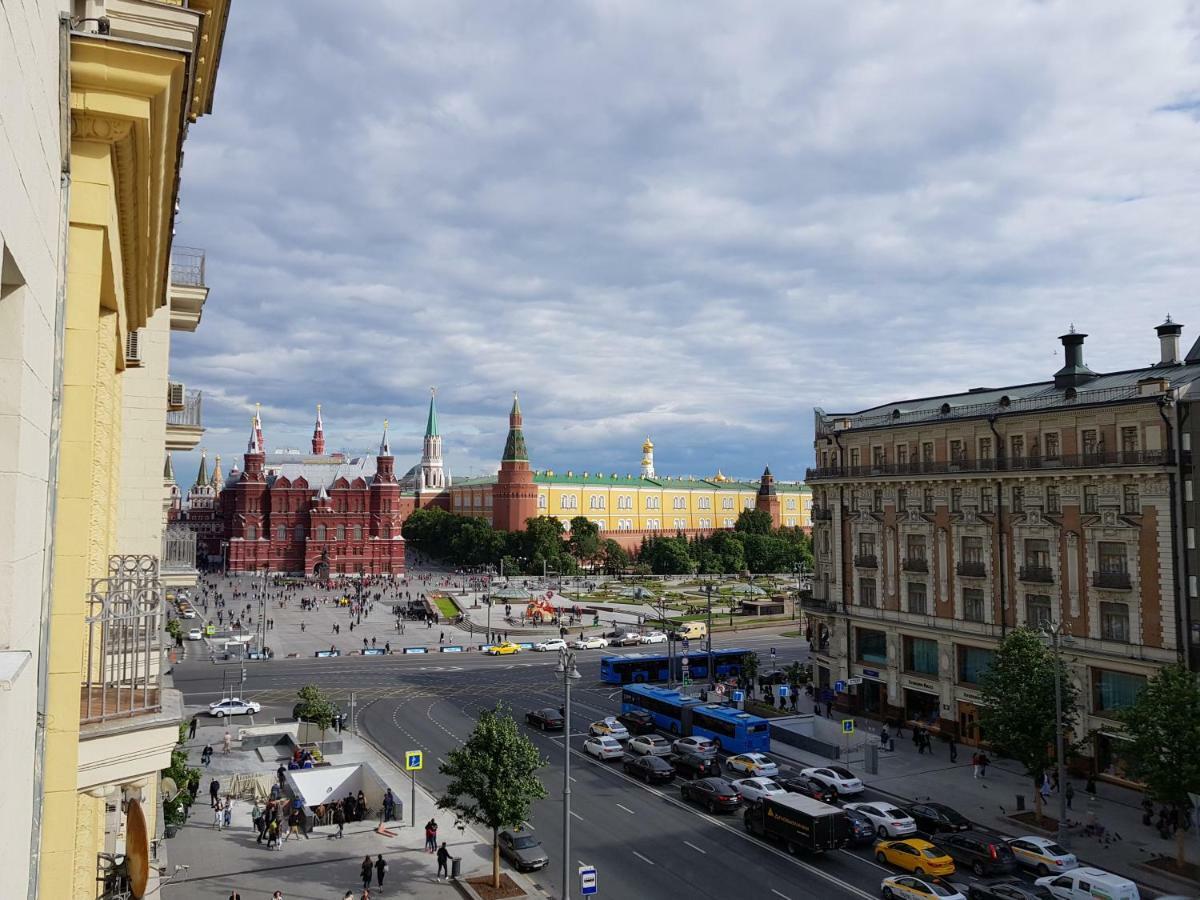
(908, 775)
(321, 867)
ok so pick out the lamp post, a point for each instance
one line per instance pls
(1053, 632)
(708, 590)
(566, 669)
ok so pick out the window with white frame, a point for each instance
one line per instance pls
(704, 502)
(652, 503)
(728, 522)
(1114, 622)
(746, 503)
(568, 501)
(625, 502)
(866, 592)
(599, 524)
(680, 503)
(541, 501)
(791, 504)
(726, 503)
(596, 501)
(1037, 611)
(358, 532)
(972, 604)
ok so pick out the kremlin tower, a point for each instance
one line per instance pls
(514, 495)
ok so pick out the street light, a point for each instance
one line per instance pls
(708, 589)
(1053, 632)
(566, 669)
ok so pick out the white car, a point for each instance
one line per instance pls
(552, 644)
(233, 706)
(195, 634)
(604, 748)
(697, 746)
(838, 779)
(889, 821)
(757, 788)
(188, 613)
(590, 643)
(654, 637)
(752, 764)
(909, 887)
(649, 745)
(1042, 855)
(609, 727)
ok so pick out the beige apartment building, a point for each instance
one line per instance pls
(942, 523)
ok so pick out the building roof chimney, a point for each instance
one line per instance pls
(1074, 372)
(1168, 342)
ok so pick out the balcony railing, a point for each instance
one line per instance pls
(187, 266)
(971, 569)
(1119, 581)
(1018, 464)
(866, 561)
(915, 564)
(1039, 574)
(822, 514)
(189, 414)
(123, 647)
(178, 548)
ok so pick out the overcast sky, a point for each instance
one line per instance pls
(693, 220)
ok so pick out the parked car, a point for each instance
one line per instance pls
(914, 855)
(504, 649)
(838, 779)
(628, 639)
(521, 847)
(1086, 883)
(772, 678)
(752, 764)
(700, 746)
(1009, 889)
(712, 793)
(649, 745)
(195, 634)
(609, 727)
(909, 887)
(650, 769)
(689, 765)
(603, 748)
(889, 821)
(982, 852)
(590, 643)
(862, 829)
(802, 784)
(551, 644)
(754, 789)
(637, 722)
(233, 706)
(547, 718)
(1042, 855)
(933, 818)
(654, 637)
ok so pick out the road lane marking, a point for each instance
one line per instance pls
(626, 808)
(577, 815)
(694, 847)
(642, 858)
(777, 894)
(869, 860)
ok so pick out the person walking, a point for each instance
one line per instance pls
(381, 868)
(365, 872)
(192, 727)
(1045, 789)
(227, 815)
(443, 859)
(218, 814)
(975, 764)
(1069, 793)
(214, 790)
(953, 750)
(339, 818)
(983, 764)
(226, 743)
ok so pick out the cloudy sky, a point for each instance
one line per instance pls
(694, 220)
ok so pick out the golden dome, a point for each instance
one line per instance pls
(720, 476)
(648, 446)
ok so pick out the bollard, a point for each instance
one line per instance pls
(456, 867)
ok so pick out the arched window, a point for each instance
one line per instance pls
(358, 532)
(251, 533)
(341, 532)
(281, 533)
(541, 501)
(320, 534)
(298, 533)
(726, 503)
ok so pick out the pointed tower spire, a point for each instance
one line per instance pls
(430, 474)
(254, 445)
(202, 475)
(262, 445)
(514, 447)
(431, 424)
(385, 448)
(218, 480)
(318, 438)
(169, 470)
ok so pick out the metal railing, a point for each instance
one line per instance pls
(1098, 459)
(1039, 574)
(123, 643)
(178, 548)
(822, 514)
(1113, 580)
(866, 561)
(190, 414)
(915, 564)
(971, 569)
(187, 266)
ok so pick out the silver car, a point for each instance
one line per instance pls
(649, 745)
(521, 847)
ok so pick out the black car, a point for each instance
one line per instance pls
(802, 784)
(547, 719)
(689, 765)
(637, 722)
(712, 793)
(934, 818)
(1009, 890)
(983, 853)
(772, 678)
(649, 769)
(862, 829)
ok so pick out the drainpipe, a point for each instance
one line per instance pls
(60, 306)
(1001, 568)
(1178, 557)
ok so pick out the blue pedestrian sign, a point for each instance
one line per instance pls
(587, 881)
(412, 761)
(847, 726)
(840, 687)
(784, 690)
(739, 696)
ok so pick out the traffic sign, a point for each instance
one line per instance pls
(854, 681)
(840, 687)
(685, 643)
(739, 696)
(772, 653)
(784, 690)
(847, 726)
(413, 761)
(587, 881)
(720, 689)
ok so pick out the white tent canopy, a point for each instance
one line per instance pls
(328, 784)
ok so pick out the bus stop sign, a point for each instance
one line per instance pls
(587, 881)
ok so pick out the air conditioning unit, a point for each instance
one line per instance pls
(175, 395)
(133, 348)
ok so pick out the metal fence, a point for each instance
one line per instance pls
(178, 547)
(187, 266)
(191, 412)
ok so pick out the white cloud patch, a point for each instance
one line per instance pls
(694, 220)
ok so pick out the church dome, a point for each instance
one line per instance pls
(648, 445)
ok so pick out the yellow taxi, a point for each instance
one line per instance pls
(914, 855)
(503, 649)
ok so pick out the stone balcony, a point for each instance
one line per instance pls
(185, 423)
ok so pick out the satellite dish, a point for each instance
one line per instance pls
(169, 788)
(137, 849)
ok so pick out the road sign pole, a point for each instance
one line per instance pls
(412, 806)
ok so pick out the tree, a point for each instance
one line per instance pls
(614, 557)
(753, 521)
(1016, 713)
(1163, 731)
(585, 539)
(315, 707)
(493, 777)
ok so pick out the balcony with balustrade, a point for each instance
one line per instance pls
(915, 564)
(1112, 581)
(971, 569)
(179, 556)
(185, 422)
(1037, 574)
(187, 290)
(866, 561)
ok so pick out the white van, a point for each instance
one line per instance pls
(1090, 884)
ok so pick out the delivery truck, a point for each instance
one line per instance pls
(799, 823)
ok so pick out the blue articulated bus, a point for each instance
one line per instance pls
(636, 668)
(735, 731)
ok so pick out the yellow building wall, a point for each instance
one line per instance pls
(650, 504)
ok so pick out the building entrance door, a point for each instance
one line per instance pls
(968, 722)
